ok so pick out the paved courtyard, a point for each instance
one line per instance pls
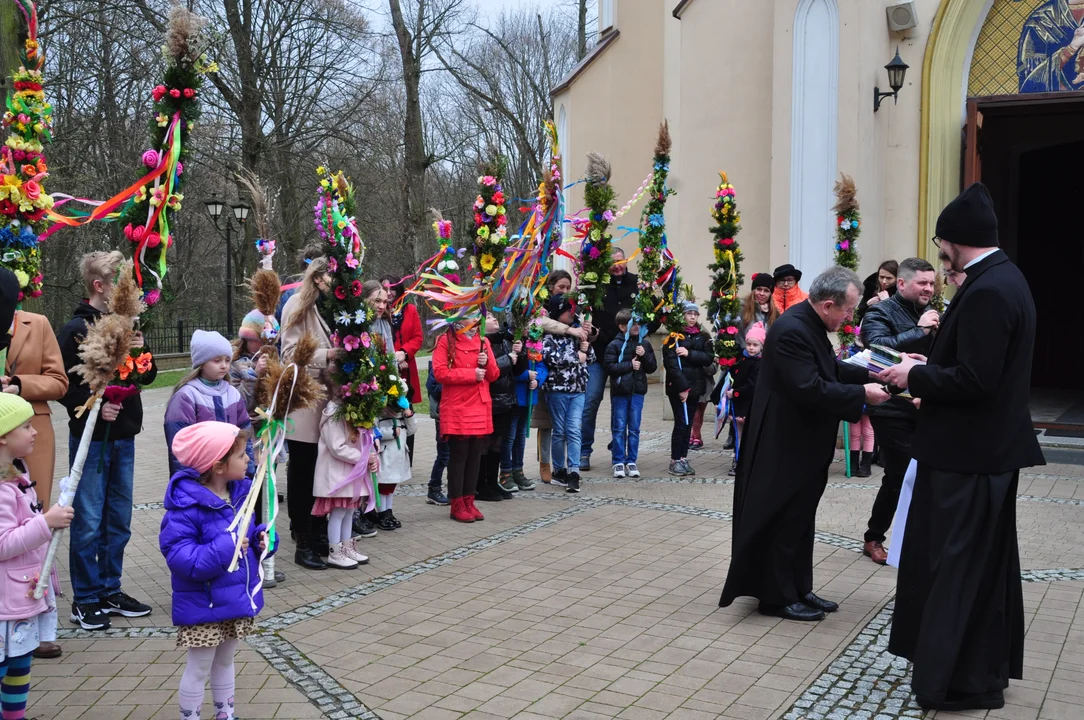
(601, 605)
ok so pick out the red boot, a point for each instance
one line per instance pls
(461, 511)
(475, 512)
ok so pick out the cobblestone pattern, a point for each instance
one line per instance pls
(865, 682)
(324, 691)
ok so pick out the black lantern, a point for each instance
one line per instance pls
(240, 211)
(214, 207)
(897, 71)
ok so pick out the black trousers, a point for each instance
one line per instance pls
(679, 438)
(894, 436)
(299, 476)
(464, 461)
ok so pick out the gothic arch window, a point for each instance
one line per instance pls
(814, 129)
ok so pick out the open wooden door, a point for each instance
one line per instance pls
(972, 144)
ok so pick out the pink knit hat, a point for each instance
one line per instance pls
(201, 445)
(756, 332)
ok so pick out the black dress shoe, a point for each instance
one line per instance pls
(795, 611)
(955, 701)
(306, 557)
(386, 521)
(820, 603)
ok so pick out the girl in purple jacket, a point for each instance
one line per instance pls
(24, 537)
(205, 393)
(213, 608)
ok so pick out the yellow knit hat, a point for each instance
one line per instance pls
(14, 411)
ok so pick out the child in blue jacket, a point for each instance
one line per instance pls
(213, 608)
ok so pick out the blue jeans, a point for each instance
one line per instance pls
(440, 463)
(596, 388)
(514, 442)
(625, 413)
(102, 524)
(566, 411)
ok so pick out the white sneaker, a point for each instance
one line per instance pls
(338, 558)
(619, 470)
(632, 470)
(350, 549)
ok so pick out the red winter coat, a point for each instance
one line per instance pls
(465, 406)
(408, 338)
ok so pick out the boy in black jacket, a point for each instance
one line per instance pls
(685, 360)
(627, 363)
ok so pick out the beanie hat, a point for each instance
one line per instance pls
(14, 411)
(558, 305)
(970, 219)
(690, 306)
(763, 280)
(207, 346)
(756, 332)
(201, 445)
(257, 326)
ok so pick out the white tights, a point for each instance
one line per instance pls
(214, 664)
(339, 528)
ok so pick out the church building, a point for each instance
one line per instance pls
(785, 95)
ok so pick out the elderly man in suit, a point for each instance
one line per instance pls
(959, 613)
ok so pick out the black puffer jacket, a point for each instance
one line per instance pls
(502, 391)
(690, 375)
(618, 364)
(893, 323)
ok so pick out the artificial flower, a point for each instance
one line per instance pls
(590, 277)
(22, 277)
(163, 119)
(350, 343)
(32, 190)
(360, 317)
(340, 292)
(143, 363)
(483, 232)
(150, 158)
(152, 297)
(351, 261)
(393, 391)
(332, 265)
(355, 288)
(159, 92)
(343, 318)
(489, 180)
(488, 261)
(498, 197)
(491, 210)
(189, 93)
(608, 216)
(366, 340)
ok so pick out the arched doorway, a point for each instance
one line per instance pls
(1001, 84)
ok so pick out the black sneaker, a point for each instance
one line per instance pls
(560, 478)
(573, 483)
(89, 616)
(362, 527)
(120, 603)
(436, 497)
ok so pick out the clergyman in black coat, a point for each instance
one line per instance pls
(959, 613)
(803, 392)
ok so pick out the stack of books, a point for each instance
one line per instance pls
(876, 358)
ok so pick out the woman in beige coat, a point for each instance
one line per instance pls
(300, 316)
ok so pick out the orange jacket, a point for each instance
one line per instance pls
(786, 299)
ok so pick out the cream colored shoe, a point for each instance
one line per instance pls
(350, 549)
(339, 559)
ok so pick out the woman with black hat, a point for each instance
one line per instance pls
(787, 293)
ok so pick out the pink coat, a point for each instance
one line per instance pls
(337, 456)
(24, 538)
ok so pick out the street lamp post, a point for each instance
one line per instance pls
(240, 212)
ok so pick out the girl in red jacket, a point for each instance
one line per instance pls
(464, 365)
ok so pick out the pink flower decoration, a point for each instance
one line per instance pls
(844, 245)
(350, 343)
(335, 339)
(346, 391)
(351, 261)
(731, 330)
(489, 180)
(382, 368)
(152, 297)
(608, 216)
(594, 253)
(180, 167)
(365, 340)
(151, 158)
(35, 293)
(332, 265)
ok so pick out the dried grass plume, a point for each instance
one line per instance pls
(109, 338)
(845, 195)
(181, 34)
(307, 392)
(663, 145)
(263, 203)
(598, 169)
(266, 289)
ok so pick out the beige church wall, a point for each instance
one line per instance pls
(726, 108)
(615, 107)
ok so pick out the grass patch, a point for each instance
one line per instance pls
(422, 408)
(166, 378)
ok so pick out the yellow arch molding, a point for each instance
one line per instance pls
(943, 75)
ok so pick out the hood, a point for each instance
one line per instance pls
(86, 311)
(185, 490)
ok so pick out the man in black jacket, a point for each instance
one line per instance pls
(103, 505)
(959, 613)
(620, 293)
(803, 392)
(903, 322)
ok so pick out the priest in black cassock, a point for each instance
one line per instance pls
(803, 393)
(959, 613)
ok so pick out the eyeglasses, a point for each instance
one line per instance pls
(787, 281)
(937, 242)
